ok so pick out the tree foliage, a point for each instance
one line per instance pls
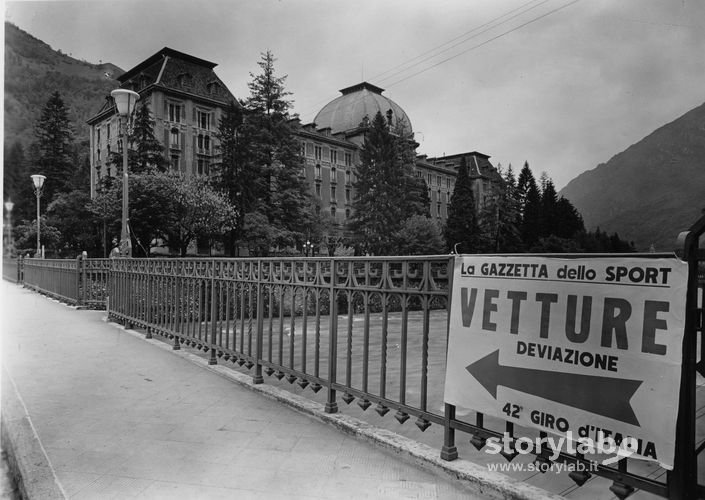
(147, 154)
(262, 170)
(462, 231)
(382, 184)
(54, 140)
(165, 208)
(70, 214)
(199, 212)
(419, 235)
(25, 237)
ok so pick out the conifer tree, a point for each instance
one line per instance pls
(548, 219)
(54, 142)
(530, 206)
(262, 170)
(384, 177)
(500, 218)
(462, 232)
(147, 153)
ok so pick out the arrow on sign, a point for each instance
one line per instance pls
(604, 396)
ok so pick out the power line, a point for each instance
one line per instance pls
(485, 42)
(461, 42)
(463, 38)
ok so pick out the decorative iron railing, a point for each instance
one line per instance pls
(54, 277)
(10, 270)
(368, 329)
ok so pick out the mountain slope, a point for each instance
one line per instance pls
(651, 191)
(33, 70)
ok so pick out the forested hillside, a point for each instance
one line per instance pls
(33, 71)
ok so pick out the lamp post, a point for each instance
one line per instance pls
(125, 103)
(308, 247)
(8, 207)
(38, 182)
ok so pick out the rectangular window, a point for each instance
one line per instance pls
(202, 166)
(174, 139)
(98, 139)
(333, 156)
(332, 194)
(430, 179)
(347, 195)
(309, 149)
(203, 143)
(303, 149)
(318, 152)
(348, 159)
(175, 162)
(332, 212)
(438, 180)
(175, 113)
(318, 171)
(447, 182)
(203, 119)
(318, 189)
(348, 177)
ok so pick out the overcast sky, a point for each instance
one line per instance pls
(562, 84)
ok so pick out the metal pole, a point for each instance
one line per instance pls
(39, 248)
(125, 243)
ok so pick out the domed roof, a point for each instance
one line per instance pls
(358, 102)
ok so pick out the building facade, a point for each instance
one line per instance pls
(186, 99)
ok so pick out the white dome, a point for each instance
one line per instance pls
(359, 102)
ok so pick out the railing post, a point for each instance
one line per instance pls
(80, 280)
(258, 378)
(682, 480)
(449, 451)
(213, 360)
(331, 403)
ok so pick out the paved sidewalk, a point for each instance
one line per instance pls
(121, 417)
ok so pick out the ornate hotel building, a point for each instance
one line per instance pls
(187, 99)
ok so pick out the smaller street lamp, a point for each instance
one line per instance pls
(8, 208)
(308, 247)
(125, 103)
(38, 182)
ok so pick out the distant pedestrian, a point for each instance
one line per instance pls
(115, 252)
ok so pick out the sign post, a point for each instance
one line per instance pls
(585, 348)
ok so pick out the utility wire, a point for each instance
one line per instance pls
(462, 39)
(484, 43)
(461, 36)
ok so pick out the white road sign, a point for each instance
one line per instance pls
(588, 345)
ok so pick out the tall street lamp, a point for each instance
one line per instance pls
(38, 182)
(8, 207)
(125, 103)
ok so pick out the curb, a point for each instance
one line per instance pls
(476, 478)
(28, 464)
